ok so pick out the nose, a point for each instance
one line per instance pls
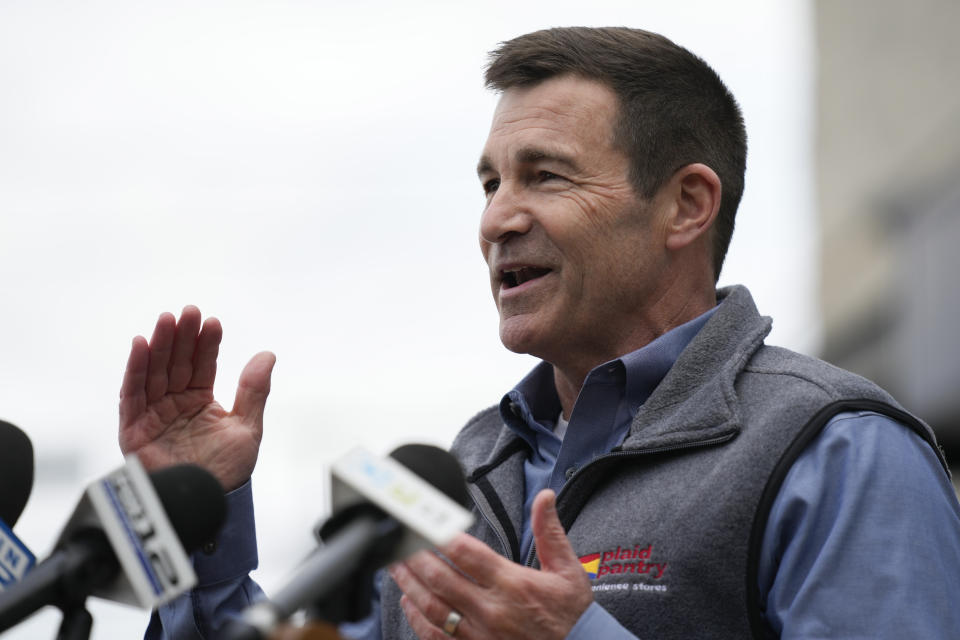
(505, 215)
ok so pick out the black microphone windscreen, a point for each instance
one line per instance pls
(437, 466)
(194, 502)
(16, 472)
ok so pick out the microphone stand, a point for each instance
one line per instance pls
(337, 584)
(350, 600)
(63, 580)
(76, 622)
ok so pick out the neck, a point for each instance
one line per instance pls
(569, 375)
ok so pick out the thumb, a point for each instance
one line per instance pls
(553, 547)
(253, 388)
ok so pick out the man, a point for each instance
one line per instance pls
(662, 473)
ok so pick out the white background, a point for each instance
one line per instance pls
(305, 172)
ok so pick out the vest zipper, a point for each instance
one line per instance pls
(492, 521)
(626, 454)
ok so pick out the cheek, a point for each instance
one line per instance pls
(604, 259)
(585, 241)
(594, 215)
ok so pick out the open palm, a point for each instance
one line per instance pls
(168, 414)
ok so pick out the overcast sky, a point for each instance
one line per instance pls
(305, 172)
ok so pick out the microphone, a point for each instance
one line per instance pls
(16, 465)
(126, 541)
(16, 482)
(384, 509)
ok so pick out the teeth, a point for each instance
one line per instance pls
(516, 277)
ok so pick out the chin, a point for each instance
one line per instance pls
(520, 336)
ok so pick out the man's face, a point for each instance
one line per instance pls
(574, 254)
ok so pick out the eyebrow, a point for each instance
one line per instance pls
(530, 155)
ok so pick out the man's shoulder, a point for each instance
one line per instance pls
(781, 381)
(816, 375)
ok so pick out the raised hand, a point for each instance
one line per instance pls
(168, 414)
(499, 599)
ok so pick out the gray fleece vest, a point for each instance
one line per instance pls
(669, 524)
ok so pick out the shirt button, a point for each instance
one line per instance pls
(210, 547)
(570, 471)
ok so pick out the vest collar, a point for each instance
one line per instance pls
(693, 403)
(695, 400)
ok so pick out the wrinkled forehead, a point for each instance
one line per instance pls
(567, 113)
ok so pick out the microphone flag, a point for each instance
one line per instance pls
(429, 516)
(15, 558)
(124, 504)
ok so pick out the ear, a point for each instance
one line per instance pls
(695, 190)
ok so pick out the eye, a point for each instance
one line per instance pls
(544, 176)
(490, 186)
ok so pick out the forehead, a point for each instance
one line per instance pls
(569, 112)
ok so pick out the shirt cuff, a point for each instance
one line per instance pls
(596, 622)
(233, 553)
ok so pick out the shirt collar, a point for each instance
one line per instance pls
(532, 406)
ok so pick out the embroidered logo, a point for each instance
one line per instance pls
(623, 560)
(591, 563)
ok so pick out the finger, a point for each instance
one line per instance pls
(477, 560)
(205, 354)
(253, 389)
(424, 629)
(180, 368)
(553, 546)
(424, 602)
(133, 395)
(161, 342)
(446, 582)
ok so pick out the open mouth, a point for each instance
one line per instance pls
(516, 277)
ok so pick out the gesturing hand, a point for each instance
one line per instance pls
(499, 599)
(167, 411)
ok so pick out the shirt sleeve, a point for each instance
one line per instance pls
(224, 587)
(863, 540)
(597, 622)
